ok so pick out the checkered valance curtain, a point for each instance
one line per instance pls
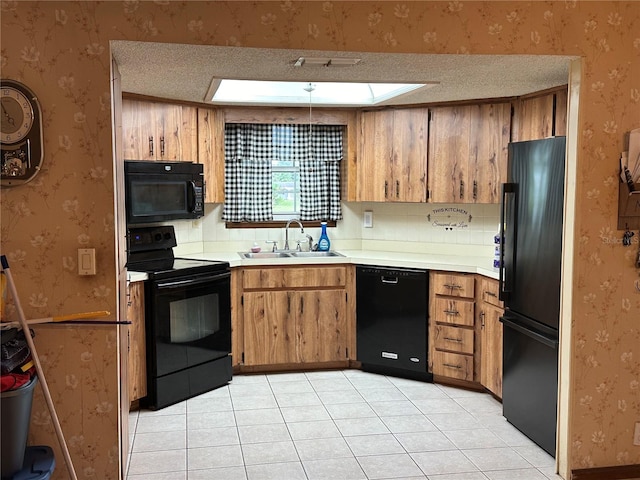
(249, 152)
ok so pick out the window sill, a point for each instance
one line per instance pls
(276, 224)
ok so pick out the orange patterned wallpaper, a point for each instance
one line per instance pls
(61, 50)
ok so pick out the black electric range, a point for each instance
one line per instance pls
(187, 318)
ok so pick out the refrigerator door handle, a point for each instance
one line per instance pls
(540, 337)
(507, 237)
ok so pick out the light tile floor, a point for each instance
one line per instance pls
(333, 425)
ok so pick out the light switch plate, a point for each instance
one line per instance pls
(368, 219)
(86, 261)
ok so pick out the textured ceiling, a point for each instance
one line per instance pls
(186, 72)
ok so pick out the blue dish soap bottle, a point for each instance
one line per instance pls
(323, 242)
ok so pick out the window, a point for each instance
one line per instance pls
(285, 175)
(275, 172)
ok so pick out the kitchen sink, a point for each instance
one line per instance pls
(289, 254)
(316, 254)
(264, 255)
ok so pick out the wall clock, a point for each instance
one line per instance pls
(20, 135)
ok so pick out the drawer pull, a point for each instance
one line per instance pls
(451, 312)
(453, 339)
(449, 285)
(457, 367)
(491, 294)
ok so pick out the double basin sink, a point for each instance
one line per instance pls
(290, 254)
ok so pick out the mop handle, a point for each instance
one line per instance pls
(36, 361)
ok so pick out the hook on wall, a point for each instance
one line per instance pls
(626, 237)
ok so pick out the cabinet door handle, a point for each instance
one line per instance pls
(461, 189)
(475, 190)
(386, 187)
(482, 319)
(451, 312)
(162, 146)
(397, 188)
(459, 340)
(458, 367)
(151, 146)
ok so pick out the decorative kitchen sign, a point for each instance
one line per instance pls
(449, 218)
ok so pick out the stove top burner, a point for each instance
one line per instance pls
(176, 265)
(150, 252)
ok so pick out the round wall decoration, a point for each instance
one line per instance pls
(20, 135)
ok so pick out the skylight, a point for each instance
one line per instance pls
(302, 93)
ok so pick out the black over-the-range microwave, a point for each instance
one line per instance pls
(163, 191)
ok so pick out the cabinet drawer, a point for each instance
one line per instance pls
(453, 365)
(291, 278)
(454, 339)
(453, 285)
(490, 292)
(457, 312)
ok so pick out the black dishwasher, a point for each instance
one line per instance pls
(391, 310)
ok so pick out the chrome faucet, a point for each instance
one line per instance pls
(286, 231)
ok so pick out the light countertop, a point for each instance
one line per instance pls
(453, 263)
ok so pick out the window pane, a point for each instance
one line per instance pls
(286, 191)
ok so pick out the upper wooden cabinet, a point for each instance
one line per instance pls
(540, 116)
(159, 131)
(468, 152)
(211, 152)
(392, 160)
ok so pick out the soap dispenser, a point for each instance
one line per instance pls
(323, 242)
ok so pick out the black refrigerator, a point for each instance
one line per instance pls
(531, 220)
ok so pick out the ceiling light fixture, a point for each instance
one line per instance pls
(258, 92)
(309, 88)
(326, 62)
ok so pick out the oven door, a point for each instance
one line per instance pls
(188, 322)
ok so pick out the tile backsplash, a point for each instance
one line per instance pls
(426, 228)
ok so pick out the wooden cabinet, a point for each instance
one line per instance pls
(137, 347)
(540, 116)
(490, 310)
(468, 152)
(211, 152)
(392, 163)
(452, 345)
(295, 315)
(159, 131)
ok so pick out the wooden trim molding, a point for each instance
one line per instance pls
(277, 224)
(621, 472)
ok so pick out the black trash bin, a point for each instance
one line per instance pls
(15, 408)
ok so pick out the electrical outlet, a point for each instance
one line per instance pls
(636, 434)
(368, 219)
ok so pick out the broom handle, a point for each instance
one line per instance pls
(36, 361)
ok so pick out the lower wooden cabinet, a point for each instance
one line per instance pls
(137, 346)
(295, 315)
(465, 330)
(452, 330)
(453, 365)
(490, 311)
